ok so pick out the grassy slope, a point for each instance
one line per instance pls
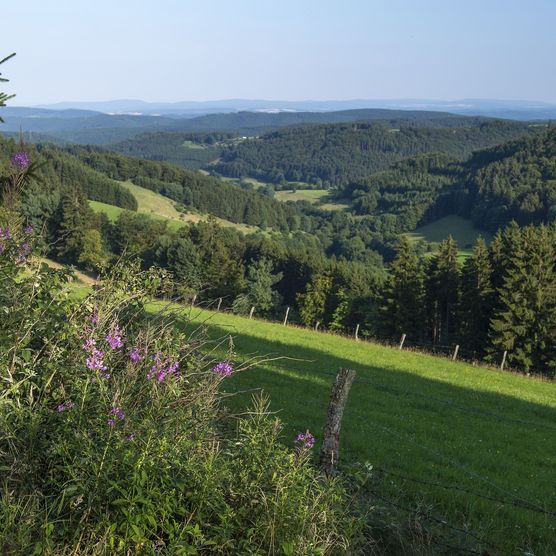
(461, 229)
(420, 416)
(158, 206)
(316, 196)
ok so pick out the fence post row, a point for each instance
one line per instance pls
(286, 317)
(357, 332)
(193, 301)
(219, 303)
(331, 434)
(251, 312)
(402, 341)
(456, 349)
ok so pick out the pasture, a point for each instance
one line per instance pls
(469, 450)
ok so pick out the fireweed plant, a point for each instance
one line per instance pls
(114, 438)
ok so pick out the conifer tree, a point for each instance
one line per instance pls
(402, 308)
(525, 324)
(442, 283)
(476, 300)
(312, 303)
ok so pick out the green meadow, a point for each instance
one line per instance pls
(471, 450)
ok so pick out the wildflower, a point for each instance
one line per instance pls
(116, 414)
(21, 160)
(28, 230)
(129, 437)
(65, 406)
(89, 344)
(5, 233)
(115, 338)
(24, 251)
(305, 439)
(162, 368)
(135, 355)
(223, 369)
(93, 319)
(96, 361)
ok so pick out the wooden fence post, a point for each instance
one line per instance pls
(251, 312)
(503, 360)
(193, 301)
(357, 332)
(331, 434)
(286, 317)
(402, 341)
(317, 325)
(456, 349)
(219, 303)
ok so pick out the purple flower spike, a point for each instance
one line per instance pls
(65, 407)
(223, 369)
(115, 338)
(162, 368)
(135, 355)
(96, 361)
(28, 230)
(93, 319)
(21, 160)
(305, 439)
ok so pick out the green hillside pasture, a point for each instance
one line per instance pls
(158, 206)
(461, 229)
(315, 196)
(433, 429)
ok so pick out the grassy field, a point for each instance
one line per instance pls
(161, 207)
(315, 196)
(433, 429)
(461, 229)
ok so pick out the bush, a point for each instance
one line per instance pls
(114, 438)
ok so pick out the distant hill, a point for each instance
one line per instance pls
(331, 155)
(90, 127)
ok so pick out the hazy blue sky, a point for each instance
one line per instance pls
(170, 50)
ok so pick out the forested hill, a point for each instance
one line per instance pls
(333, 155)
(513, 181)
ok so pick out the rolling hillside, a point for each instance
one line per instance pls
(470, 451)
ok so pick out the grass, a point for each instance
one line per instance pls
(421, 417)
(315, 196)
(461, 229)
(158, 206)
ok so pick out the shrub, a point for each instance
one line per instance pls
(114, 438)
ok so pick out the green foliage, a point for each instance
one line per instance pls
(312, 303)
(260, 292)
(130, 455)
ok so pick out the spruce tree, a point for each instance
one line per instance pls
(312, 303)
(476, 300)
(442, 285)
(525, 324)
(402, 308)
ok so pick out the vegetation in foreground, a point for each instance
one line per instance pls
(114, 438)
(467, 452)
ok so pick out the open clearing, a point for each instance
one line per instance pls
(315, 196)
(440, 434)
(158, 206)
(461, 229)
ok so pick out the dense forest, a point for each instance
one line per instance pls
(334, 155)
(513, 181)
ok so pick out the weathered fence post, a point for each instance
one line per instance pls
(193, 301)
(456, 349)
(219, 303)
(503, 360)
(251, 312)
(286, 317)
(317, 325)
(331, 434)
(357, 332)
(402, 341)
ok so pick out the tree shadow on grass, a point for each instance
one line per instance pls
(493, 444)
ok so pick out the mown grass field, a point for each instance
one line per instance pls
(315, 196)
(461, 229)
(158, 206)
(420, 421)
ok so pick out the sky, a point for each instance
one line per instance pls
(172, 50)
